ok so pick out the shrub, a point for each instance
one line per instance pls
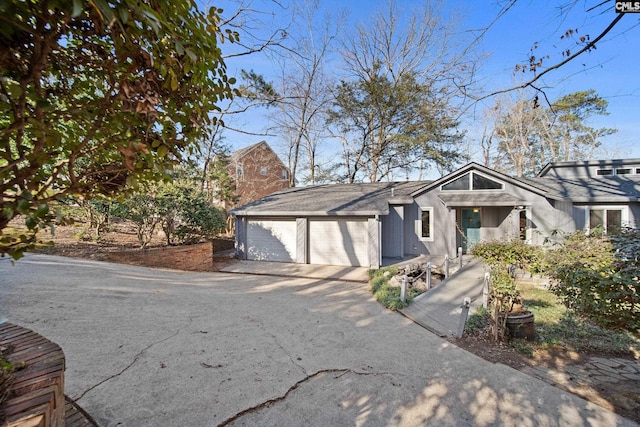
(509, 253)
(597, 276)
(503, 257)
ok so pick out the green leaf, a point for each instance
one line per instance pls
(163, 150)
(30, 223)
(179, 48)
(104, 9)
(77, 8)
(124, 14)
(191, 55)
(23, 206)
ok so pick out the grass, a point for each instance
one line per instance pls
(557, 327)
(389, 296)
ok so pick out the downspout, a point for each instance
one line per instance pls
(379, 239)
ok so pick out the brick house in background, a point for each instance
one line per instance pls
(257, 172)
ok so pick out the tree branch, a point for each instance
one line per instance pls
(588, 46)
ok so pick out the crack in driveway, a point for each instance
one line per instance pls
(135, 358)
(292, 388)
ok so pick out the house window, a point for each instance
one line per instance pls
(609, 219)
(284, 174)
(461, 183)
(524, 226)
(263, 170)
(472, 181)
(625, 171)
(604, 172)
(483, 183)
(425, 224)
(239, 170)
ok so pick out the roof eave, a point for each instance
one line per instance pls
(304, 214)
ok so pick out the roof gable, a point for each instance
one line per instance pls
(487, 173)
(237, 156)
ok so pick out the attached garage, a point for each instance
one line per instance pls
(333, 224)
(339, 242)
(271, 240)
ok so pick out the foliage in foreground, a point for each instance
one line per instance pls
(97, 95)
(597, 277)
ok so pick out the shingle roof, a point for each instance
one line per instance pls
(333, 199)
(587, 190)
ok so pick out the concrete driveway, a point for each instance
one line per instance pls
(152, 347)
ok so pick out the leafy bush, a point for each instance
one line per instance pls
(510, 253)
(184, 215)
(597, 276)
(503, 257)
(143, 211)
(199, 220)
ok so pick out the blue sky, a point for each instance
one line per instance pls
(612, 69)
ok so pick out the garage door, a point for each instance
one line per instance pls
(271, 240)
(339, 242)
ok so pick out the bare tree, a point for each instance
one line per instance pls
(517, 125)
(304, 87)
(397, 103)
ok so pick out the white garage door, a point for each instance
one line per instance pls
(271, 240)
(339, 242)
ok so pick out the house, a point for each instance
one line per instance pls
(256, 171)
(359, 224)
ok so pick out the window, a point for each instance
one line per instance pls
(523, 225)
(604, 172)
(483, 183)
(608, 218)
(284, 174)
(472, 181)
(239, 170)
(263, 170)
(625, 171)
(425, 224)
(461, 183)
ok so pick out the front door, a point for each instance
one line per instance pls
(470, 219)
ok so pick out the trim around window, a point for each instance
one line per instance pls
(424, 225)
(606, 216)
(472, 181)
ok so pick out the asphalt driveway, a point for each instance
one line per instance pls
(149, 347)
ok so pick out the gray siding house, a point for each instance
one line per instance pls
(359, 224)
